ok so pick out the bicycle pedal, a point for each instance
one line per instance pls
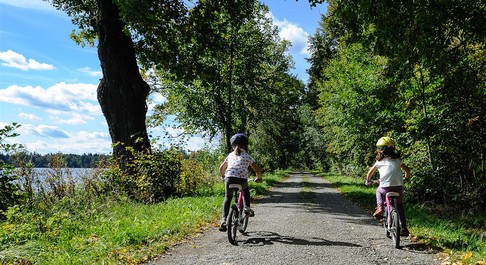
(250, 214)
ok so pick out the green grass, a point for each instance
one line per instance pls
(454, 235)
(125, 231)
(111, 232)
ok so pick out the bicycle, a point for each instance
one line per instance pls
(237, 218)
(391, 217)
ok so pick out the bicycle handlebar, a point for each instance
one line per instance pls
(371, 182)
(377, 181)
(251, 180)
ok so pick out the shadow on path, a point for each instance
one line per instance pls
(262, 238)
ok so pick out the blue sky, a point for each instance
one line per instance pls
(48, 83)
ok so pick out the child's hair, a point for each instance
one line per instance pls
(386, 151)
(238, 148)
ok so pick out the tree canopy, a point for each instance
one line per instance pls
(411, 70)
(414, 71)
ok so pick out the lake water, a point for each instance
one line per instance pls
(39, 176)
(76, 173)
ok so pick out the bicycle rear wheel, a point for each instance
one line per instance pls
(232, 224)
(385, 223)
(244, 223)
(395, 228)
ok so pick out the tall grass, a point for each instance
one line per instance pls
(122, 231)
(463, 238)
(109, 231)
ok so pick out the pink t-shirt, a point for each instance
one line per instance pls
(238, 165)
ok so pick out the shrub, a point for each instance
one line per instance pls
(155, 176)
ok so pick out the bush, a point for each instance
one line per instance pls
(155, 176)
(196, 173)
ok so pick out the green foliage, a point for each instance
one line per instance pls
(153, 176)
(81, 229)
(355, 110)
(8, 190)
(161, 174)
(154, 26)
(239, 72)
(196, 177)
(424, 86)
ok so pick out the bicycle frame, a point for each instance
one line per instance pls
(239, 200)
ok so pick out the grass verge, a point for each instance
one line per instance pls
(454, 235)
(112, 232)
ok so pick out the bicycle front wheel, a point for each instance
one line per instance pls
(395, 228)
(232, 224)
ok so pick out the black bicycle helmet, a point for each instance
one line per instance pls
(239, 139)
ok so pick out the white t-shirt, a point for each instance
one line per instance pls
(390, 172)
(238, 165)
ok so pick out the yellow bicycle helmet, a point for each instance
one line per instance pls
(385, 141)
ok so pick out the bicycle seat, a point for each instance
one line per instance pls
(393, 194)
(235, 186)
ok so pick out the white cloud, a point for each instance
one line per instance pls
(90, 72)
(70, 121)
(195, 143)
(16, 60)
(293, 33)
(42, 131)
(154, 100)
(158, 98)
(73, 118)
(50, 139)
(78, 143)
(30, 117)
(61, 96)
(174, 132)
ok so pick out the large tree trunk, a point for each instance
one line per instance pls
(122, 92)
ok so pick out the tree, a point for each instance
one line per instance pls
(231, 53)
(122, 92)
(9, 195)
(355, 107)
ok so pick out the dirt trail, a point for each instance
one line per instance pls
(314, 225)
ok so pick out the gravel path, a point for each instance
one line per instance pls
(292, 225)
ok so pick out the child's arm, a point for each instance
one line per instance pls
(406, 170)
(370, 174)
(222, 168)
(257, 170)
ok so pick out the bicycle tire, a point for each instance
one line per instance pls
(244, 223)
(232, 224)
(385, 223)
(395, 228)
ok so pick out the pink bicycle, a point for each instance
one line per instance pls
(237, 219)
(391, 217)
